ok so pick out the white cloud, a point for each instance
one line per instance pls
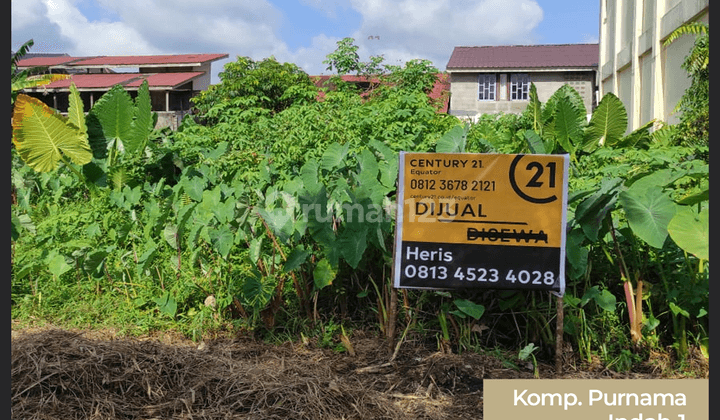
(432, 28)
(589, 39)
(96, 38)
(310, 58)
(29, 21)
(328, 7)
(407, 29)
(25, 12)
(238, 27)
(58, 26)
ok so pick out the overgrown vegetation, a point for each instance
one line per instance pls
(694, 106)
(246, 217)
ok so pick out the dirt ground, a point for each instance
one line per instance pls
(60, 374)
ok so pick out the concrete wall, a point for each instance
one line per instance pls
(464, 91)
(202, 82)
(170, 119)
(635, 66)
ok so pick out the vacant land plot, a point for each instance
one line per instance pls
(60, 374)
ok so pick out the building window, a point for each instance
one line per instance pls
(519, 87)
(486, 84)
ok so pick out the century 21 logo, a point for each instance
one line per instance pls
(540, 175)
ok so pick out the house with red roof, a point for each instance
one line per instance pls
(172, 80)
(496, 79)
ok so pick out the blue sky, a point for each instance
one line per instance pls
(300, 31)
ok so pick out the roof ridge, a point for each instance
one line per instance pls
(524, 56)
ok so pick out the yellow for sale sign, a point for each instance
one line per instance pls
(481, 220)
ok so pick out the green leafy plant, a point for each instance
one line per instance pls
(526, 353)
(250, 89)
(277, 202)
(694, 105)
(467, 314)
(639, 195)
(121, 124)
(346, 60)
(44, 138)
(454, 141)
(577, 322)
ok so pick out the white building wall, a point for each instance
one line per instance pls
(635, 66)
(625, 91)
(646, 87)
(676, 78)
(202, 82)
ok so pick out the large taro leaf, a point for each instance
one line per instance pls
(567, 93)
(95, 262)
(42, 137)
(568, 125)
(470, 308)
(691, 231)
(225, 211)
(659, 178)
(640, 137)
(577, 254)
(323, 274)
(23, 80)
(387, 163)
(648, 214)
(167, 304)
(453, 141)
(194, 187)
(604, 299)
(352, 245)
(257, 290)
(146, 259)
(280, 222)
(368, 169)
(143, 123)
(319, 220)
(76, 111)
(595, 208)
(296, 258)
(111, 118)
(535, 142)
(387, 153)
(333, 156)
(222, 239)
(309, 176)
(607, 125)
(535, 108)
(57, 264)
(170, 234)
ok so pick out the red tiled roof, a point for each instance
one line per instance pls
(320, 80)
(130, 60)
(440, 90)
(525, 56)
(106, 81)
(92, 81)
(44, 61)
(145, 60)
(166, 79)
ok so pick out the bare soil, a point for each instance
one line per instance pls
(62, 374)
